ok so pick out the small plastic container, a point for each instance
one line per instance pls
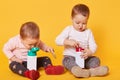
(32, 58)
(80, 61)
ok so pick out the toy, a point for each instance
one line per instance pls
(79, 60)
(32, 58)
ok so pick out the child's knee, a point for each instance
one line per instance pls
(13, 64)
(92, 62)
(67, 60)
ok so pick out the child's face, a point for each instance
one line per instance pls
(29, 42)
(79, 22)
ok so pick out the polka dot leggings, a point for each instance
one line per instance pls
(21, 68)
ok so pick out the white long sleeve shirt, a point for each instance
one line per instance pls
(85, 38)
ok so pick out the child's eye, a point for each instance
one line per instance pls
(84, 23)
(77, 22)
(30, 44)
(35, 44)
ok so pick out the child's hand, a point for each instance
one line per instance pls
(86, 53)
(71, 42)
(51, 50)
(14, 58)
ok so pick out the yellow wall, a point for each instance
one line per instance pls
(53, 15)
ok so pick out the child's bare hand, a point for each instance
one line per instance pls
(86, 53)
(14, 58)
(51, 50)
(71, 42)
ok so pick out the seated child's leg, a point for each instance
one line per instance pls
(49, 68)
(17, 68)
(70, 64)
(79, 72)
(43, 62)
(23, 71)
(92, 62)
(99, 71)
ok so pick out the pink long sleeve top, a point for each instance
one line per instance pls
(14, 47)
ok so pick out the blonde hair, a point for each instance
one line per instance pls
(29, 29)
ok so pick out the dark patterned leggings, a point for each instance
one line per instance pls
(90, 62)
(21, 68)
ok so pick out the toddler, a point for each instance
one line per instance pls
(78, 36)
(17, 47)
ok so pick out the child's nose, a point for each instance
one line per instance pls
(80, 25)
(32, 46)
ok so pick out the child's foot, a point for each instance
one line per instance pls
(99, 71)
(32, 74)
(79, 72)
(54, 70)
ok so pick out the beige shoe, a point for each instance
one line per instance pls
(99, 71)
(79, 72)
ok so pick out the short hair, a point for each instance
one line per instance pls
(29, 29)
(80, 9)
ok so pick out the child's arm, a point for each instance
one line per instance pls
(8, 50)
(51, 50)
(14, 58)
(87, 53)
(71, 42)
(62, 37)
(91, 46)
(46, 48)
(43, 46)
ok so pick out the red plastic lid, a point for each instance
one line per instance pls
(79, 49)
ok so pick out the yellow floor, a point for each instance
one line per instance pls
(6, 74)
(52, 16)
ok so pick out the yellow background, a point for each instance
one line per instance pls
(53, 16)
